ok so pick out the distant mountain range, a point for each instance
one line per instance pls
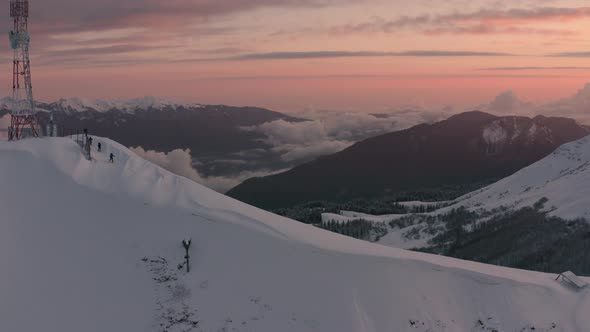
(211, 132)
(468, 148)
(105, 105)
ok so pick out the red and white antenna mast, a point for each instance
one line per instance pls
(23, 114)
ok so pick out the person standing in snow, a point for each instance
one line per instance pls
(99, 146)
(112, 158)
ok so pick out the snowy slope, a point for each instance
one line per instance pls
(562, 177)
(97, 245)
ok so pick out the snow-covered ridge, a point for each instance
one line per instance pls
(105, 105)
(562, 177)
(100, 247)
(508, 130)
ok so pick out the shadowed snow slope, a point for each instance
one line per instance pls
(563, 178)
(94, 246)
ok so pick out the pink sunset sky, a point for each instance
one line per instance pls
(365, 55)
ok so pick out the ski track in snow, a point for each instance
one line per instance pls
(364, 321)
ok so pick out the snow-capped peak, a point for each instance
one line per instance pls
(128, 105)
(76, 104)
(8, 103)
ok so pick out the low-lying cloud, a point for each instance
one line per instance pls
(181, 162)
(329, 132)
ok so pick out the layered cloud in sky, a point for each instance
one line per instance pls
(484, 21)
(337, 54)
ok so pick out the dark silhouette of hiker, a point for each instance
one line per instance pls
(99, 146)
(112, 158)
(90, 141)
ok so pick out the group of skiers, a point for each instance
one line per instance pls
(89, 144)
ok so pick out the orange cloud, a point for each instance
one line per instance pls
(485, 21)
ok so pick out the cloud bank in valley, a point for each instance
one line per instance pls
(325, 133)
(329, 132)
(180, 162)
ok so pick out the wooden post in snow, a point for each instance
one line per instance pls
(187, 244)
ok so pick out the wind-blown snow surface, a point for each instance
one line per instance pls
(93, 246)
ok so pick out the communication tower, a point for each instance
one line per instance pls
(24, 120)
